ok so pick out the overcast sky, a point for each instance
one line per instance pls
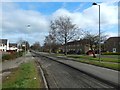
(16, 16)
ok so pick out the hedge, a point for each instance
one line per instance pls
(12, 56)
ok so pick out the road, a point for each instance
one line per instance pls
(62, 76)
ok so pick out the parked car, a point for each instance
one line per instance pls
(92, 51)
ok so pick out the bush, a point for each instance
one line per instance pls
(110, 53)
(12, 56)
(7, 57)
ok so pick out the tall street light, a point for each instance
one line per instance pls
(99, 33)
(28, 26)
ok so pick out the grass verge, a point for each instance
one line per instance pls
(115, 60)
(105, 62)
(26, 76)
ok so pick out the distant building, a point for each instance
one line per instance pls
(4, 45)
(112, 44)
(13, 46)
(80, 46)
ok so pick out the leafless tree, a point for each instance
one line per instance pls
(48, 42)
(52, 32)
(36, 46)
(64, 30)
(22, 44)
(94, 40)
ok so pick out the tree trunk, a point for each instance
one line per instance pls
(93, 52)
(50, 49)
(65, 46)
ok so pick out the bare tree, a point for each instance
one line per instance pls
(48, 42)
(36, 46)
(52, 32)
(94, 40)
(22, 44)
(64, 30)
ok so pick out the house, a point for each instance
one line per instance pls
(112, 44)
(13, 46)
(4, 45)
(80, 46)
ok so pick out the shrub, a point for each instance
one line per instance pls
(7, 57)
(12, 55)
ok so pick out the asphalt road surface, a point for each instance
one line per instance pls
(62, 76)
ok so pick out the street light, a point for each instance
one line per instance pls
(99, 33)
(28, 26)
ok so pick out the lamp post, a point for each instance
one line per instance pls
(28, 26)
(99, 33)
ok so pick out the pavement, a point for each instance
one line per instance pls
(7, 66)
(106, 74)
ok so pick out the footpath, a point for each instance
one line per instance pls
(109, 75)
(7, 66)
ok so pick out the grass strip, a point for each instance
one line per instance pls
(26, 76)
(96, 59)
(105, 62)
